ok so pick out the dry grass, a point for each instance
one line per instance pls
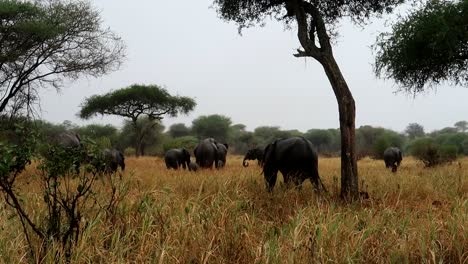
(417, 215)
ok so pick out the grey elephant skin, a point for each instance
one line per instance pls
(68, 139)
(295, 158)
(209, 152)
(176, 158)
(112, 159)
(253, 154)
(193, 166)
(392, 158)
(222, 153)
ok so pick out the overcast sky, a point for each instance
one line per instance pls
(253, 78)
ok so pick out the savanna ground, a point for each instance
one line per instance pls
(226, 216)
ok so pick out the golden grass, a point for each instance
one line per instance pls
(226, 216)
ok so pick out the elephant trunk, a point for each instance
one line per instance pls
(245, 163)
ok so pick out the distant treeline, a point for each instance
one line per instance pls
(371, 141)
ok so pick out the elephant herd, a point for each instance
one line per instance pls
(294, 157)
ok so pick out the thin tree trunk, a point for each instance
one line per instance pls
(347, 112)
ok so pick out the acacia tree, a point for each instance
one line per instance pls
(316, 21)
(137, 101)
(44, 42)
(428, 46)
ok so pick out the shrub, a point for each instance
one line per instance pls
(431, 153)
(187, 142)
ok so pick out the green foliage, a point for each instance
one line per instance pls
(387, 139)
(147, 134)
(427, 47)
(47, 41)
(129, 152)
(431, 153)
(179, 130)
(414, 130)
(144, 105)
(187, 142)
(214, 126)
(461, 126)
(66, 193)
(135, 101)
(250, 13)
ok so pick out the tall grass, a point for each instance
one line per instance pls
(226, 216)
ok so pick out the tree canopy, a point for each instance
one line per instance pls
(428, 46)
(215, 126)
(43, 42)
(135, 101)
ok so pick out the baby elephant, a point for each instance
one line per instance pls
(392, 158)
(111, 159)
(176, 158)
(193, 166)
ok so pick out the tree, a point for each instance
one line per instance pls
(462, 126)
(44, 42)
(316, 24)
(179, 130)
(427, 47)
(149, 134)
(215, 126)
(137, 101)
(414, 130)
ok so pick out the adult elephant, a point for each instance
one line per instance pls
(112, 159)
(392, 158)
(70, 142)
(207, 153)
(253, 154)
(176, 158)
(295, 158)
(69, 139)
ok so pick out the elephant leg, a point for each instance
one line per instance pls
(270, 180)
(394, 168)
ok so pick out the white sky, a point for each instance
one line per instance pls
(253, 78)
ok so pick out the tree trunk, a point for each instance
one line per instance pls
(347, 113)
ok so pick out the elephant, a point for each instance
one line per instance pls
(71, 143)
(222, 153)
(176, 158)
(392, 158)
(69, 139)
(253, 154)
(112, 159)
(209, 152)
(295, 158)
(193, 166)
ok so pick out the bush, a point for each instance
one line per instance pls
(187, 142)
(129, 152)
(431, 153)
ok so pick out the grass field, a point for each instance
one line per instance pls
(226, 216)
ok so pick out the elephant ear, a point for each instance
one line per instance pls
(226, 145)
(186, 152)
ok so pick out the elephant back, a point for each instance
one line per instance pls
(206, 152)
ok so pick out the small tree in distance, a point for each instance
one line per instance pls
(137, 101)
(414, 130)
